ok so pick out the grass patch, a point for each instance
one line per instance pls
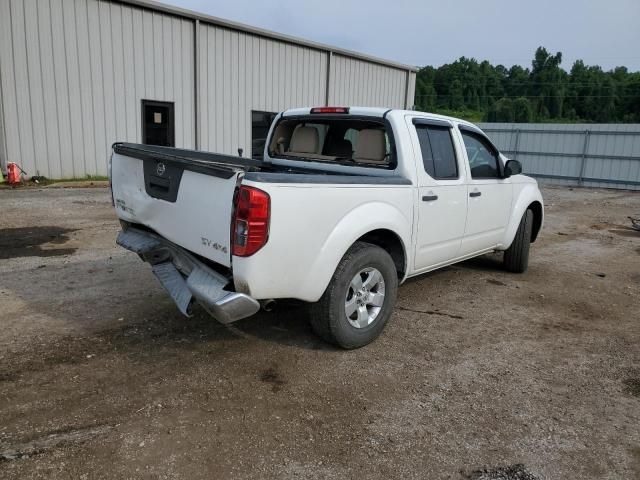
(88, 178)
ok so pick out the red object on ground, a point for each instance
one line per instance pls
(13, 173)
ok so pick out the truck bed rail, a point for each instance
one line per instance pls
(218, 165)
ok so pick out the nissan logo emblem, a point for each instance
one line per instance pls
(160, 168)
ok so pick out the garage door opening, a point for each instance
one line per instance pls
(158, 123)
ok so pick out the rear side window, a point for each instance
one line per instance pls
(438, 154)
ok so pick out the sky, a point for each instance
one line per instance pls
(435, 32)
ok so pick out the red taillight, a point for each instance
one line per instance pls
(330, 110)
(250, 227)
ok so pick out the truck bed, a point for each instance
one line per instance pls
(224, 166)
(188, 196)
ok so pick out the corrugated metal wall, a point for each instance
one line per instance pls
(73, 74)
(245, 72)
(3, 145)
(594, 155)
(355, 82)
(411, 92)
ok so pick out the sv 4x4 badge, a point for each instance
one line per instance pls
(215, 245)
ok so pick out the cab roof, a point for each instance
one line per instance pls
(362, 111)
(377, 112)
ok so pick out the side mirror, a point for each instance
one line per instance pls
(512, 167)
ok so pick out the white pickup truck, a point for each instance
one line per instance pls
(345, 205)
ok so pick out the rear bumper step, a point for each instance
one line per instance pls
(186, 279)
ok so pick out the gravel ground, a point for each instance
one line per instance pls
(480, 374)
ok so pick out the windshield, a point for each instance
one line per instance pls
(350, 141)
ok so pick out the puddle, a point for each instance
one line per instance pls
(632, 386)
(28, 242)
(511, 472)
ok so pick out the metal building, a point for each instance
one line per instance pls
(77, 75)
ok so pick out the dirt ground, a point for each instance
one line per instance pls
(481, 374)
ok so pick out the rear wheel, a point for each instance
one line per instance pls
(359, 299)
(516, 257)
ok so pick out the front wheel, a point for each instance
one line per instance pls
(516, 257)
(359, 300)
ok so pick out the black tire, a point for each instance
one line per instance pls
(328, 317)
(516, 257)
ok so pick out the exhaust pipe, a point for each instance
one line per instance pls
(269, 305)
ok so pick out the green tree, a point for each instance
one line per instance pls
(457, 95)
(545, 92)
(522, 110)
(547, 83)
(501, 111)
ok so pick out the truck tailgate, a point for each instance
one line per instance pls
(187, 201)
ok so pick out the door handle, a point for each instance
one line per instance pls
(429, 198)
(475, 194)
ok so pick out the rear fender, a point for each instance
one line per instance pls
(346, 233)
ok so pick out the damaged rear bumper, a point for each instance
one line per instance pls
(186, 279)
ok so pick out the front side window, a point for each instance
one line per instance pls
(483, 159)
(438, 154)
